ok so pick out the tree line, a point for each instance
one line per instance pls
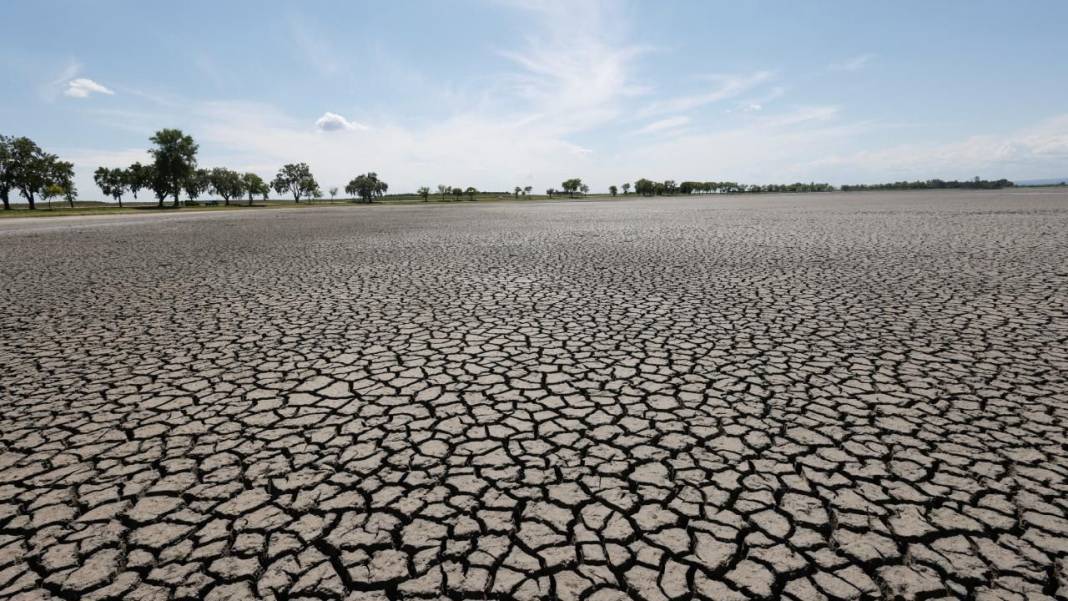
(934, 184)
(33, 173)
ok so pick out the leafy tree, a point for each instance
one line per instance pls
(31, 169)
(7, 167)
(332, 191)
(424, 192)
(571, 186)
(367, 187)
(255, 186)
(112, 182)
(527, 190)
(295, 179)
(517, 191)
(584, 189)
(471, 191)
(197, 183)
(626, 188)
(137, 179)
(458, 192)
(549, 192)
(443, 190)
(644, 187)
(175, 157)
(613, 190)
(51, 191)
(226, 183)
(61, 175)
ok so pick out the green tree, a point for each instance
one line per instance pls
(112, 182)
(471, 191)
(571, 186)
(333, 192)
(443, 190)
(137, 179)
(227, 183)
(51, 191)
(255, 186)
(198, 182)
(584, 189)
(613, 190)
(424, 191)
(457, 192)
(175, 159)
(549, 192)
(61, 175)
(626, 188)
(367, 187)
(31, 169)
(7, 167)
(517, 191)
(527, 190)
(644, 187)
(295, 179)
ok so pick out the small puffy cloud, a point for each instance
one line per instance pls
(335, 122)
(82, 87)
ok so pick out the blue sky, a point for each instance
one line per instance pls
(503, 93)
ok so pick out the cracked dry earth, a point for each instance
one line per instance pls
(803, 397)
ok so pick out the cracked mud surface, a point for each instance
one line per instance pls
(804, 397)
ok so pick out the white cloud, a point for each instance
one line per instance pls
(855, 63)
(335, 122)
(729, 86)
(671, 123)
(82, 87)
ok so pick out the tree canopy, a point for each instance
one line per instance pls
(175, 159)
(367, 187)
(295, 179)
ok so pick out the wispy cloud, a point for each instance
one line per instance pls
(671, 123)
(855, 63)
(727, 86)
(83, 87)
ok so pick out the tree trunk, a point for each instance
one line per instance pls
(33, 202)
(120, 202)
(7, 201)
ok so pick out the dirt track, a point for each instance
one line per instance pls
(807, 396)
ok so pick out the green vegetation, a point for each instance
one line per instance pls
(34, 174)
(934, 184)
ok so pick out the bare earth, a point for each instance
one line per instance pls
(807, 397)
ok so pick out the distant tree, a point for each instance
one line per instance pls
(51, 191)
(517, 191)
(61, 175)
(198, 182)
(443, 190)
(613, 190)
(159, 185)
(137, 179)
(175, 157)
(571, 186)
(226, 183)
(527, 190)
(333, 193)
(255, 186)
(424, 192)
(295, 179)
(626, 189)
(112, 182)
(7, 169)
(31, 169)
(644, 187)
(457, 191)
(367, 187)
(584, 189)
(471, 191)
(549, 192)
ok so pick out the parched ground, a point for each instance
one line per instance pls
(806, 397)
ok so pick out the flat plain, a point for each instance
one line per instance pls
(797, 396)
